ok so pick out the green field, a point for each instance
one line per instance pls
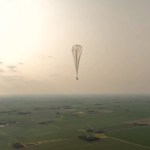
(55, 122)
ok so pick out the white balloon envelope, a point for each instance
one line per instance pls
(76, 51)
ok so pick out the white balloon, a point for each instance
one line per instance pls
(76, 51)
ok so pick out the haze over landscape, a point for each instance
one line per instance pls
(37, 35)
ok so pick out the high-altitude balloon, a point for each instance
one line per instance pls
(76, 51)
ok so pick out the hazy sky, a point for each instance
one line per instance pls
(36, 37)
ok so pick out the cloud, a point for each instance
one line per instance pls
(12, 68)
(12, 77)
(20, 63)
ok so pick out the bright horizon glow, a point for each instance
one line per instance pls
(36, 39)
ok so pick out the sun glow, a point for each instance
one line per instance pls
(20, 29)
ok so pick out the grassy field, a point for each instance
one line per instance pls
(55, 122)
